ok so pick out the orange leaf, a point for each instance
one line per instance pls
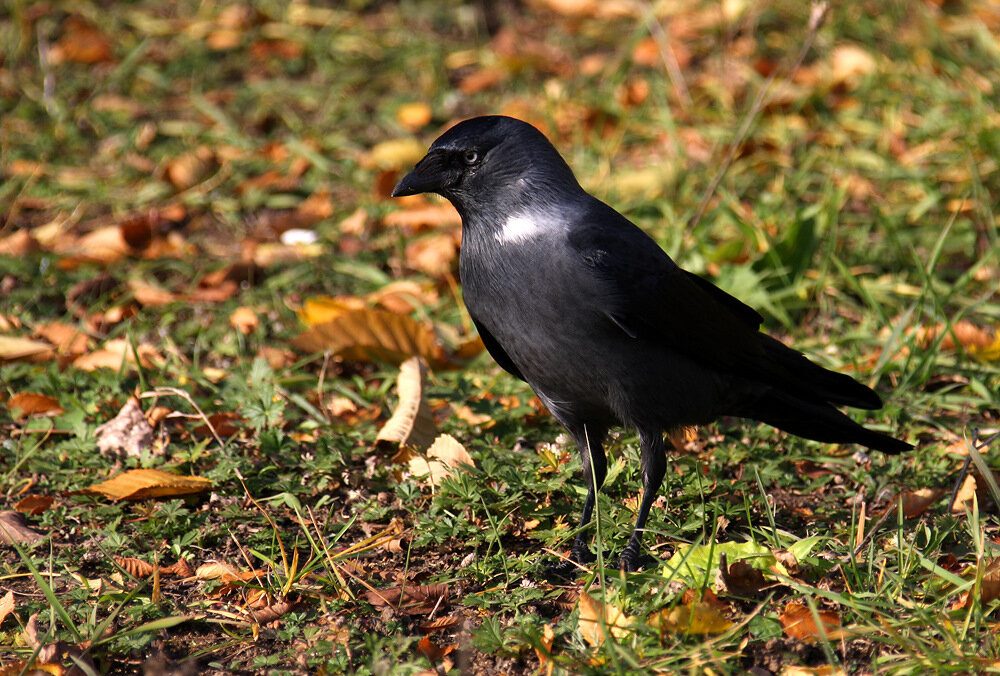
(431, 216)
(26, 404)
(799, 623)
(81, 42)
(414, 116)
(596, 618)
(244, 320)
(143, 484)
(16, 347)
(67, 338)
(34, 504)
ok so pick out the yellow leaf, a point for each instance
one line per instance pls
(593, 614)
(396, 153)
(696, 617)
(412, 423)
(142, 484)
(320, 309)
(444, 455)
(414, 116)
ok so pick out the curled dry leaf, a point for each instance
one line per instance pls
(412, 423)
(14, 529)
(143, 484)
(134, 567)
(27, 404)
(433, 651)
(272, 612)
(989, 589)
(439, 624)
(217, 570)
(740, 578)
(128, 432)
(33, 505)
(799, 623)
(445, 455)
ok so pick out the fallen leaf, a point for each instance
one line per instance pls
(849, 64)
(482, 79)
(14, 529)
(977, 342)
(443, 456)
(143, 484)
(27, 404)
(824, 670)
(412, 423)
(217, 570)
(13, 348)
(798, 622)
(244, 320)
(116, 353)
(439, 623)
(965, 495)
(431, 216)
(916, 502)
(66, 338)
(81, 42)
(190, 169)
(148, 295)
(741, 579)
(596, 618)
(395, 153)
(414, 116)
(128, 432)
(34, 505)
(434, 255)
(6, 606)
(375, 335)
(19, 243)
(272, 612)
(320, 309)
(694, 618)
(411, 599)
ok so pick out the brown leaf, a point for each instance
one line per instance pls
(19, 243)
(741, 579)
(13, 348)
(68, 339)
(6, 606)
(414, 116)
(483, 78)
(244, 320)
(128, 432)
(964, 496)
(403, 296)
(134, 567)
(144, 484)
(217, 570)
(117, 352)
(797, 621)
(432, 651)
(410, 600)
(373, 335)
(424, 217)
(34, 505)
(148, 295)
(27, 404)
(81, 42)
(444, 455)
(434, 254)
(412, 423)
(916, 502)
(272, 612)
(181, 569)
(190, 169)
(978, 342)
(14, 528)
(438, 624)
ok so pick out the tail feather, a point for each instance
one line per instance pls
(818, 421)
(812, 381)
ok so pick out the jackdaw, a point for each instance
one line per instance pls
(576, 300)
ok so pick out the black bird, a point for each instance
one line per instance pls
(575, 299)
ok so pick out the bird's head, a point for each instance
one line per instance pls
(490, 162)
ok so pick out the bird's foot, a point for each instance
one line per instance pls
(632, 560)
(580, 559)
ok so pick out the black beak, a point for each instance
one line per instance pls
(425, 177)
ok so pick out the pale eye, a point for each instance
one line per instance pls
(470, 157)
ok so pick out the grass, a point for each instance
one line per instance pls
(859, 209)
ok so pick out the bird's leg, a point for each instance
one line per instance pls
(595, 468)
(654, 465)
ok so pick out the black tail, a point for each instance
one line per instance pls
(800, 398)
(818, 421)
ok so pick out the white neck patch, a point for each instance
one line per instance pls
(518, 230)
